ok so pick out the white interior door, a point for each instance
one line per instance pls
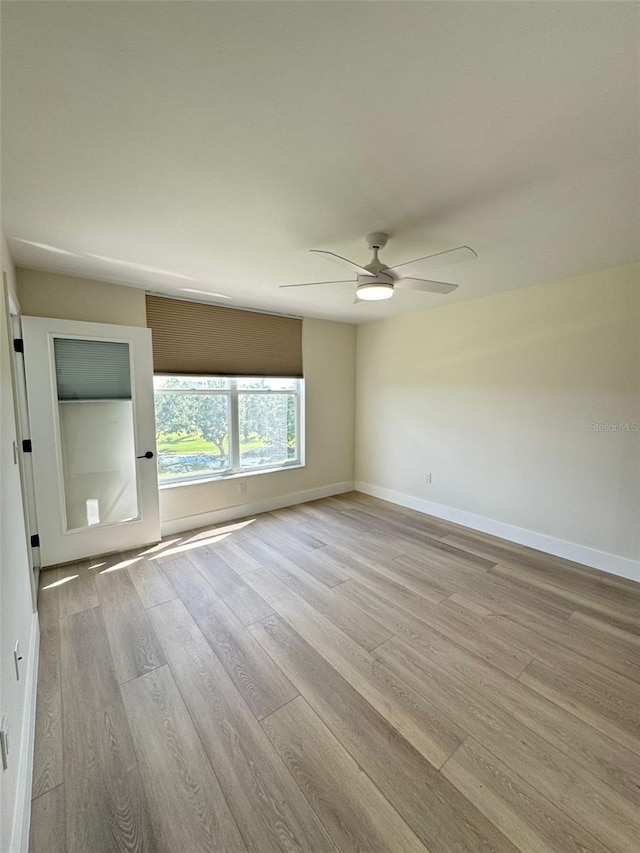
(90, 394)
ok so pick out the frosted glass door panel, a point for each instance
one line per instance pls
(98, 462)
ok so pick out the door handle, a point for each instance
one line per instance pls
(147, 455)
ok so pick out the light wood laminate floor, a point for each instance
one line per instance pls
(345, 675)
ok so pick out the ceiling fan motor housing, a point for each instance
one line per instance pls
(375, 278)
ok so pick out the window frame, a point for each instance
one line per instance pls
(232, 393)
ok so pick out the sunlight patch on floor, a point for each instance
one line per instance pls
(60, 582)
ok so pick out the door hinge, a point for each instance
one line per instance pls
(26, 446)
(18, 345)
(35, 541)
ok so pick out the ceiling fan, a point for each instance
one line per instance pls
(376, 280)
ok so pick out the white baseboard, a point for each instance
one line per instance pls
(22, 815)
(611, 563)
(219, 516)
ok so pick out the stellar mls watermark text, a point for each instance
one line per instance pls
(617, 426)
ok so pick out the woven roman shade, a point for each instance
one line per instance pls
(192, 338)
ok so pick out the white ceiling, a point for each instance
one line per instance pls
(210, 145)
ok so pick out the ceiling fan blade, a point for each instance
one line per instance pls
(315, 283)
(424, 285)
(430, 262)
(343, 262)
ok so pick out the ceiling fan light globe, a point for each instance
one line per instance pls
(374, 292)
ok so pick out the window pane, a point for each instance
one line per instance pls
(192, 434)
(246, 383)
(267, 426)
(193, 383)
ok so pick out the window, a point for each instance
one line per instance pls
(209, 426)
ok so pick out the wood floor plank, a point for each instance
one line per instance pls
(464, 605)
(355, 565)
(550, 639)
(401, 528)
(150, 582)
(47, 753)
(599, 626)
(589, 802)
(416, 577)
(373, 576)
(500, 594)
(532, 822)
(581, 584)
(370, 544)
(258, 550)
(437, 527)
(76, 590)
(270, 810)
(626, 585)
(328, 525)
(597, 753)
(47, 831)
(354, 812)
(230, 586)
(424, 726)
(293, 532)
(594, 600)
(601, 601)
(608, 706)
(566, 642)
(611, 617)
(302, 517)
(558, 573)
(239, 560)
(261, 683)
(434, 809)
(187, 808)
(134, 645)
(505, 598)
(419, 541)
(105, 807)
(314, 564)
(502, 551)
(509, 660)
(361, 628)
(48, 599)
(330, 640)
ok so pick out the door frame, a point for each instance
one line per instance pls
(25, 462)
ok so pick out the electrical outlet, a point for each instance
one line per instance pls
(17, 657)
(242, 488)
(4, 742)
(427, 478)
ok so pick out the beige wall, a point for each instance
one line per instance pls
(329, 367)
(496, 397)
(65, 297)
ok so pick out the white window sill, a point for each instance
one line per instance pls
(235, 475)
